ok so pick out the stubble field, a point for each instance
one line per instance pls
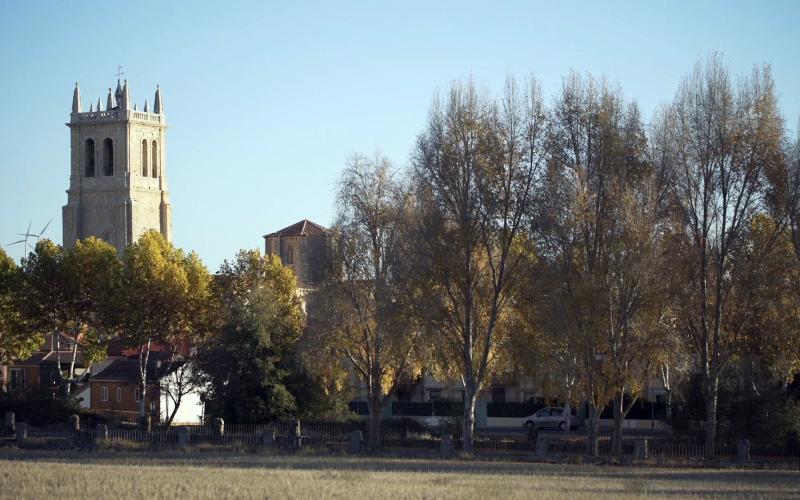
(110, 474)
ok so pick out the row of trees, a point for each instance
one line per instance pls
(231, 336)
(567, 242)
(574, 244)
(154, 293)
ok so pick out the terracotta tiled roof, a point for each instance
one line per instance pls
(303, 228)
(127, 369)
(120, 369)
(51, 358)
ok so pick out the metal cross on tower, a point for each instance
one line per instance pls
(119, 71)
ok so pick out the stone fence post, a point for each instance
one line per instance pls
(446, 448)
(183, 437)
(532, 433)
(74, 423)
(640, 449)
(355, 441)
(742, 451)
(21, 432)
(219, 427)
(9, 422)
(541, 446)
(295, 435)
(101, 433)
(146, 423)
(268, 438)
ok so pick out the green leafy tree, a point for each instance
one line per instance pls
(17, 341)
(65, 293)
(250, 360)
(46, 305)
(91, 272)
(164, 297)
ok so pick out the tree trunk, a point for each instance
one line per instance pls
(667, 392)
(144, 356)
(710, 392)
(469, 418)
(71, 375)
(56, 344)
(593, 431)
(374, 428)
(176, 405)
(616, 433)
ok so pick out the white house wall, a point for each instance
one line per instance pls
(190, 410)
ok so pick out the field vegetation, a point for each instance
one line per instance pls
(41, 474)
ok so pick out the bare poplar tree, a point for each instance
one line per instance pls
(365, 301)
(776, 235)
(789, 193)
(717, 142)
(600, 245)
(476, 167)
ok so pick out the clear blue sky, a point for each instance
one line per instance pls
(265, 101)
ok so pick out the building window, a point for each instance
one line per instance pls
(108, 157)
(435, 394)
(138, 394)
(155, 159)
(104, 393)
(498, 395)
(144, 158)
(89, 171)
(16, 379)
(119, 394)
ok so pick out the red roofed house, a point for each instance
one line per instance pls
(39, 372)
(116, 389)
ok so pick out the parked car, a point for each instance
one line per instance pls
(552, 417)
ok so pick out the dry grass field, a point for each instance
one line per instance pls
(125, 474)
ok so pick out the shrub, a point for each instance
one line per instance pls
(453, 426)
(38, 409)
(403, 427)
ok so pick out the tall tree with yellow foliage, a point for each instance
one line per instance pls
(366, 298)
(476, 170)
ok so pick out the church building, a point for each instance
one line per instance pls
(118, 175)
(303, 247)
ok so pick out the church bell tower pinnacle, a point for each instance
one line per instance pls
(118, 175)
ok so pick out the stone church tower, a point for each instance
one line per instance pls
(118, 176)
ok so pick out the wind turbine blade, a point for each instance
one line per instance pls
(20, 241)
(29, 226)
(45, 227)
